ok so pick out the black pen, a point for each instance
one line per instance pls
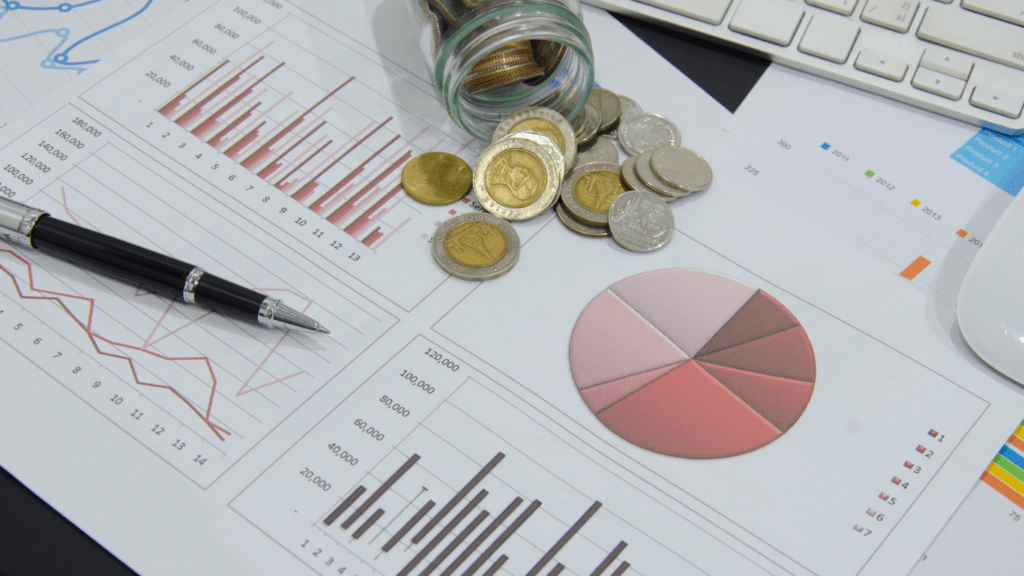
(160, 274)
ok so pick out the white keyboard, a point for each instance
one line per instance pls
(960, 58)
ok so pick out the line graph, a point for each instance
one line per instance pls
(159, 365)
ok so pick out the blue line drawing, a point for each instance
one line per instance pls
(62, 60)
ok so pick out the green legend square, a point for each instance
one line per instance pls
(869, 173)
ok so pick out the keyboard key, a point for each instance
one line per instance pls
(829, 37)
(998, 100)
(774, 21)
(710, 11)
(1009, 10)
(844, 7)
(881, 64)
(892, 14)
(979, 35)
(950, 63)
(938, 83)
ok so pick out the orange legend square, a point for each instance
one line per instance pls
(962, 233)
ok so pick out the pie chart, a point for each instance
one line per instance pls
(691, 363)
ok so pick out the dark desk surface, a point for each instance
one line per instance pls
(37, 541)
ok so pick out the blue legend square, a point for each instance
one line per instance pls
(826, 146)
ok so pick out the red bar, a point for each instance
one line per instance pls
(208, 124)
(169, 108)
(323, 199)
(262, 151)
(390, 234)
(197, 108)
(281, 184)
(218, 140)
(276, 163)
(372, 236)
(340, 214)
(304, 192)
(237, 146)
(367, 216)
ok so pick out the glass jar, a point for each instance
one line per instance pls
(489, 58)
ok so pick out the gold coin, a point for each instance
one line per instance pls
(476, 244)
(517, 120)
(544, 127)
(516, 178)
(437, 178)
(598, 189)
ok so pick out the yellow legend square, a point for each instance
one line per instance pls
(915, 202)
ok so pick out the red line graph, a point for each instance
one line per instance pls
(205, 413)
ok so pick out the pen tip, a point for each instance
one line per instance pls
(321, 330)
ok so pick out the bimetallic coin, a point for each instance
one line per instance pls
(607, 103)
(591, 125)
(437, 178)
(475, 246)
(629, 177)
(589, 191)
(628, 107)
(516, 179)
(546, 142)
(642, 132)
(641, 221)
(681, 168)
(601, 149)
(578, 227)
(647, 176)
(543, 120)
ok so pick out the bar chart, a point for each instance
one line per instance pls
(449, 489)
(1006, 472)
(315, 148)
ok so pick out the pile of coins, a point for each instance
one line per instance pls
(538, 160)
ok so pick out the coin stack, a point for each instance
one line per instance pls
(538, 160)
(505, 66)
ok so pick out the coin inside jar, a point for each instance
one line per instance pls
(589, 191)
(475, 246)
(437, 178)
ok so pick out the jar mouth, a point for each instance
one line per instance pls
(565, 89)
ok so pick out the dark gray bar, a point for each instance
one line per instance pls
(366, 525)
(455, 543)
(621, 569)
(608, 560)
(444, 532)
(564, 539)
(380, 492)
(344, 505)
(408, 526)
(483, 536)
(458, 498)
(501, 539)
(556, 570)
(496, 566)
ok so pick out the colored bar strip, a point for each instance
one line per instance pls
(281, 184)
(621, 569)
(408, 526)
(276, 162)
(380, 491)
(915, 268)
(458, 497)
(344, 505)
(565, 538)
(455, 543)
(608, 560)
(218, 139)
(496, 566)
(1007, 478)
(350, 205)
(369, 216)
(556, 570)
(197, 108)
(366, 525)
(483, 536)
(501, 538)
(443, 533)
(1016, 440)
(1003, 489)
(1011, 467)
(169, 108)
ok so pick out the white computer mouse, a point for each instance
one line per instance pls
(990, 307)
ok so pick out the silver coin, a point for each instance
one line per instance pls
(593, 122)
(543, 120)
(627, 107)
(629, 176)
(589, 191)
(607, 103)
(579, 227)
(641, 221)
(647, 176)
(516, 179)
(601, 149)
(475, 246)
(546, 142)
(681, 168)
(642, 132)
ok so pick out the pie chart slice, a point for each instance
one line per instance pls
(705, 367)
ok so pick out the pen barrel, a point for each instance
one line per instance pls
(151, 270)
(228, 298)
